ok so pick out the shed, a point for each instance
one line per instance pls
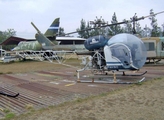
(14, 40)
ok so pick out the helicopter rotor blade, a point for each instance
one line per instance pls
(154, 14)
(98, 27)
(118, 23)
(143, 17)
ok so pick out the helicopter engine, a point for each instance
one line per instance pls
(95, 42)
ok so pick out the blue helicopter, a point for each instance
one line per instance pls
(122, 52)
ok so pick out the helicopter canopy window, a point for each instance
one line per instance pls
(121, 52)
(136, 46)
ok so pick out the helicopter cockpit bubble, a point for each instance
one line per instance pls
(135, 45)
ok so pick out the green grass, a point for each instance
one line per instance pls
(9, 116)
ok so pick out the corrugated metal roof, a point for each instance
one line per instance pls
(13, 40)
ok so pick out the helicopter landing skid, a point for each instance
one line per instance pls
(139, 81)
(115, 81)
(9, 95)
(134, 74)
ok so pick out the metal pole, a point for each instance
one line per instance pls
(1, 49)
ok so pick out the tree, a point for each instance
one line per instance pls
(6, 34)
(94, 28)
(163, 29)
(127, 27)
(146, 32)
(88, 32)
(61, 32)
(155, 28)
(81, 31)
(114, 29)
(96, 24)
(138, 28)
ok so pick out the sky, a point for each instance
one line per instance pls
(18, 14)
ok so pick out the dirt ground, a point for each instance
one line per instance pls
(31, 66)
(136, 102)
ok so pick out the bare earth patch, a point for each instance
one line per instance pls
(30, 66)
(138, 102)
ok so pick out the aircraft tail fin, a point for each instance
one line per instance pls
(42, 39)
(53, 29)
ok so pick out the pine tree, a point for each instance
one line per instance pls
(138, 28)
(163, 29)
(114, 29)
(146, 32)
(127, 27)
(61, 32)
(81, 31)
(155, 28)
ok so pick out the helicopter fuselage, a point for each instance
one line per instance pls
(121, 52)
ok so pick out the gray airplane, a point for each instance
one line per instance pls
(49, 41)
(35, 45)
(59, 43)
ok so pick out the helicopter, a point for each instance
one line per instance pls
(122, 52)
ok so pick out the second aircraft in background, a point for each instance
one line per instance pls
(50, 41)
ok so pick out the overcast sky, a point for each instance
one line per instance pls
(18, 14)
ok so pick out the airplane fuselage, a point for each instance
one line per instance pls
(64, 43)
